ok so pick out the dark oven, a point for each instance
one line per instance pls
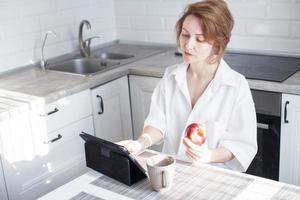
(268, 111)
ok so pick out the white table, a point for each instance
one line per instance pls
(204, 182)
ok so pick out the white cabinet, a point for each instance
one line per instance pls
(3, 192)
(111, 110)
(141, 88)
(51, 153)
(289, 169)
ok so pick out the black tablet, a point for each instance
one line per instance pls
(112, 147)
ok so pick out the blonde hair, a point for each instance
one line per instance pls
(216, 20)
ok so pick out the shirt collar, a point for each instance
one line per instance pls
(180, 72)
(224, 75)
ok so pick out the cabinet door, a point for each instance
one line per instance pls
(3, 192)
(289, 169)
(63, 161)
(111, 110)
(141, 88)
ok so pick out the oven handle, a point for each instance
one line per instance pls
(263, 126)
(285, 112)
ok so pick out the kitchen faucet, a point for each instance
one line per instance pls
(43, 61)
(84, 45)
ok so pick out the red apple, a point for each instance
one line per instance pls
(196, 133)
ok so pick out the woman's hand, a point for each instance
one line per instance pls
(198, 154)
(149, 137)
(133, 146)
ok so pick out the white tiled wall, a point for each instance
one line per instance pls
(23, 24)
(260, 25)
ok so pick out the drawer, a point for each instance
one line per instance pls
(70, 146)
(64, 160)
(67, 110)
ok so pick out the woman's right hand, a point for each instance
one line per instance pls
(145, 140)
(133, 146)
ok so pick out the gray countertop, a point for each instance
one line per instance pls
(155, 66)
(53, 85)
(149, 61)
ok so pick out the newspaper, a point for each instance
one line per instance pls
(189, 183)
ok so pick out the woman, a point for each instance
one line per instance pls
(205, 90)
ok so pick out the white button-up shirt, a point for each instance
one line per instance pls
(226, 108)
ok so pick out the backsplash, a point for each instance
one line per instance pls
(271, 26)
(23, 24)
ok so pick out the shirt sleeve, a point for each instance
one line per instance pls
(240, 137)
(157, 115)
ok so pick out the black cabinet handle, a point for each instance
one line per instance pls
(101, 107)
(53, 140)
(285, 112)
(51, 112)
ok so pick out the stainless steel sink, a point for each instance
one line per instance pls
(83, 66)
(113, 56)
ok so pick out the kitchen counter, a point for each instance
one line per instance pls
(155, 66)
(149, 61)
(52, 85)
(203, 182)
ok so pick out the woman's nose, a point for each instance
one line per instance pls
(190, 44)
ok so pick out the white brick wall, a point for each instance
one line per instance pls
(260, 25)
(23, 24)
(271, 26)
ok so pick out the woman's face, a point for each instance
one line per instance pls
(193, 45)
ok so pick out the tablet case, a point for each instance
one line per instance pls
(107, 158)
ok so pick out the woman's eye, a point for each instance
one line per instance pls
(185, 35)
(200, 40)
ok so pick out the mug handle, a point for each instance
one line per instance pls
(164, 179)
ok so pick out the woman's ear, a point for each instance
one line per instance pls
(212, 59)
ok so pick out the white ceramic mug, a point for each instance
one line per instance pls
(161, 171)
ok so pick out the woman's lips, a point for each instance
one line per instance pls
(187, 54)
